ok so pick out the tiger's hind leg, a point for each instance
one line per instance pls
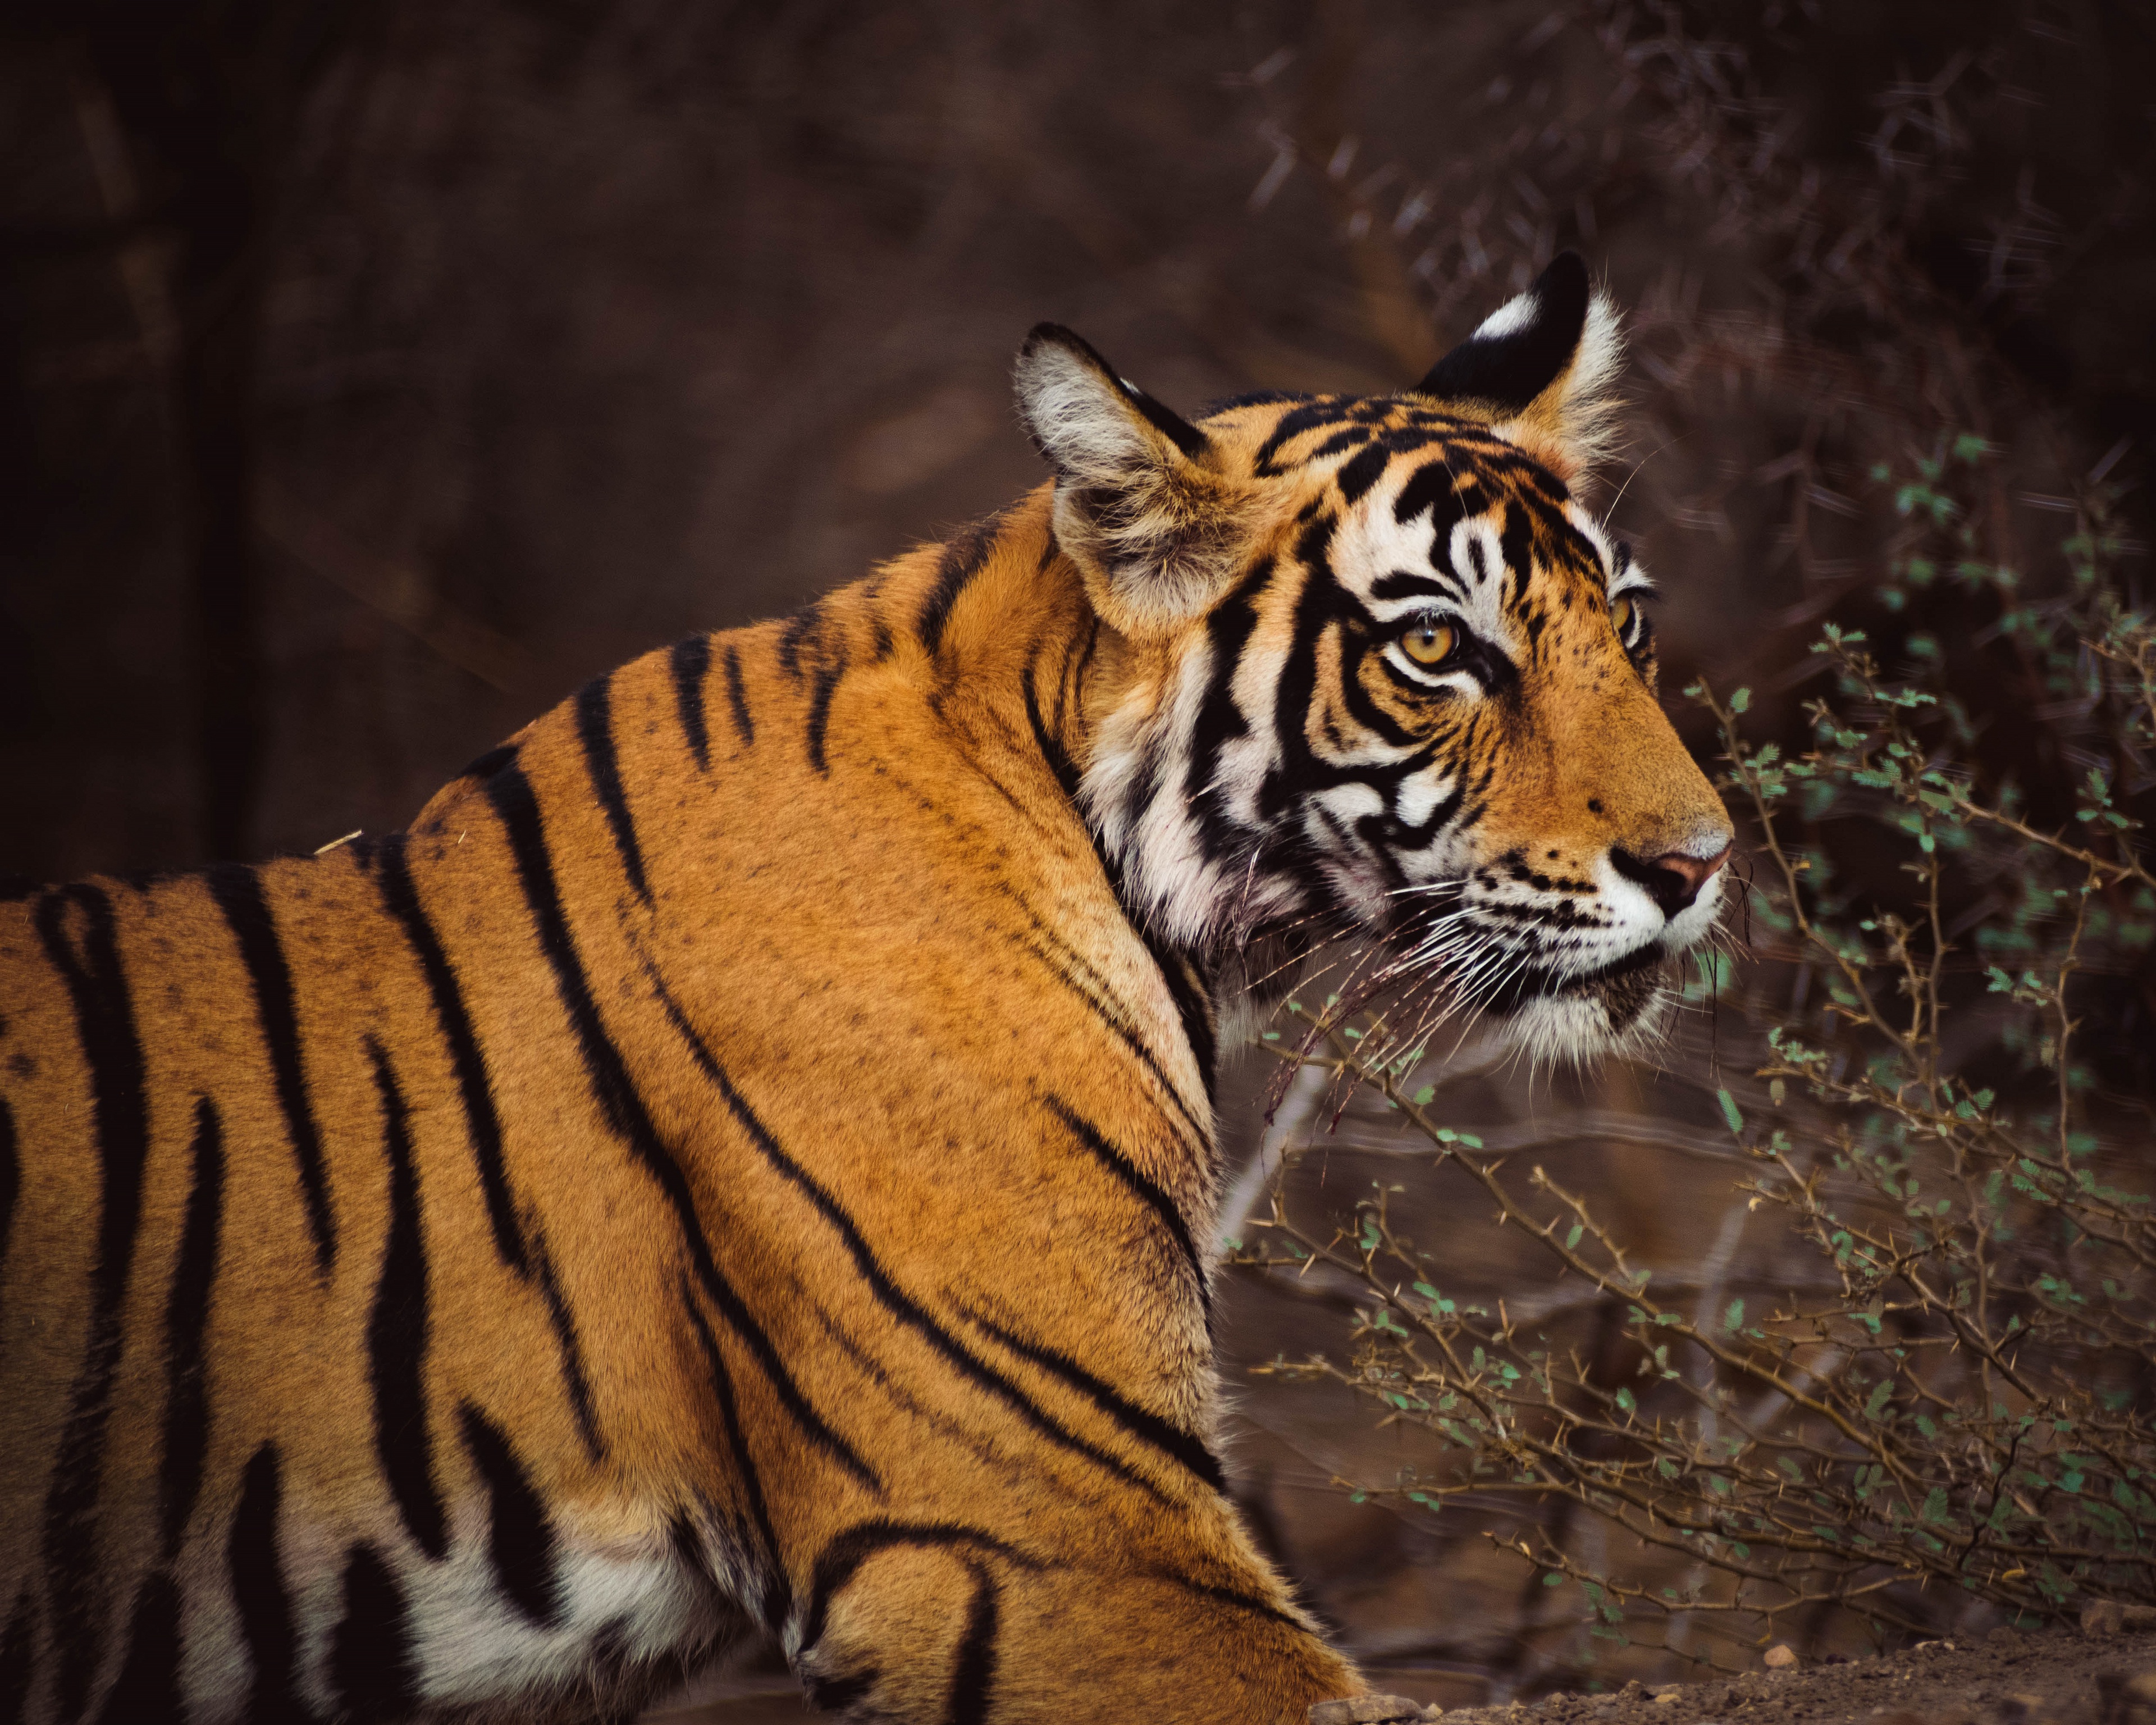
(936, 1625)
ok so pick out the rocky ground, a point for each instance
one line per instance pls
(2102, 1675)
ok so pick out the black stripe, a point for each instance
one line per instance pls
(1432, 488)
(1360, 472)
(11, 1176)
(1401, 585)
(742, 1322)
(834, 1695)
(819, 709)
(396, 1332)
(574, 1381)
(258, 1590)
(489, 763)
(187, 1314)
(1192, 1006)
(595, 731)
(17, 1644)
(805, 623)
(371, 1653)
(1148, 1190)
(1185, 436)
(891, 1298)
(960, 562)
(105, 1026)
(510, 794)
(737, 698)
(839, 1561)
(474, 1085)
(1241, 1602)
(1141, 1422)
(691, 662)
(1091, 988)
(973, 1673)
(1051, 747)
(519, 1534)
(148, 1686)
(1308, 415)
(778, 1591)
(238, 891)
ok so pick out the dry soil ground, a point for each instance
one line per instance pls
(2053, 1677)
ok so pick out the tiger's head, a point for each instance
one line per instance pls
(1369, 667)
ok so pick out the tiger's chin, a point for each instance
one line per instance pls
(1617, 1012)
(1592, 1021)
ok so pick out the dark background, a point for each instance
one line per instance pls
(373, 373)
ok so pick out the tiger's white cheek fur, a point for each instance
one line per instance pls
(1151, 765)
(1329, 818)
(1417, 800)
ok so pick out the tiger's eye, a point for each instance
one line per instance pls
(1620, 616)
(1428, 641)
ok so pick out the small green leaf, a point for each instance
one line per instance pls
(1729, 1111)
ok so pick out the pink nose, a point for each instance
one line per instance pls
(1695, 871)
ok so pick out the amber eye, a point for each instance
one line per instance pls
(1621, 613)
(1429, 640)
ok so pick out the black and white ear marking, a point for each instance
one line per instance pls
(1521, 348)
(1078, 412)
(1542, 364)
(1140, 504)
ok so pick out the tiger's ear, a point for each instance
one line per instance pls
(1142, 506)
(1540, 367)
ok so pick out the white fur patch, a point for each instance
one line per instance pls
(1084, 425)
(1514, 315)
(1582, 419)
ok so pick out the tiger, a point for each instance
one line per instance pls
(737, 1169)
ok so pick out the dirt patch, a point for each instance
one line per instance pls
(2053, 1677)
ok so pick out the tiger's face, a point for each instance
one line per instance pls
(1377, 670)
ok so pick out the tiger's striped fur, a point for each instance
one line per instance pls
(738, 1163)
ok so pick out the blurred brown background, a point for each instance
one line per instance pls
(371, 374)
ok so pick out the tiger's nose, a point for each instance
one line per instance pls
(1672, 879)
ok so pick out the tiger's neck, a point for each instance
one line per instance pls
(1014, 643)
(1018, 652)
(1005, 614)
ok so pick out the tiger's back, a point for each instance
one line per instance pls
(740, 1162)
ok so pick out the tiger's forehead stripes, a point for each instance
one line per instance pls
(1455, 517)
